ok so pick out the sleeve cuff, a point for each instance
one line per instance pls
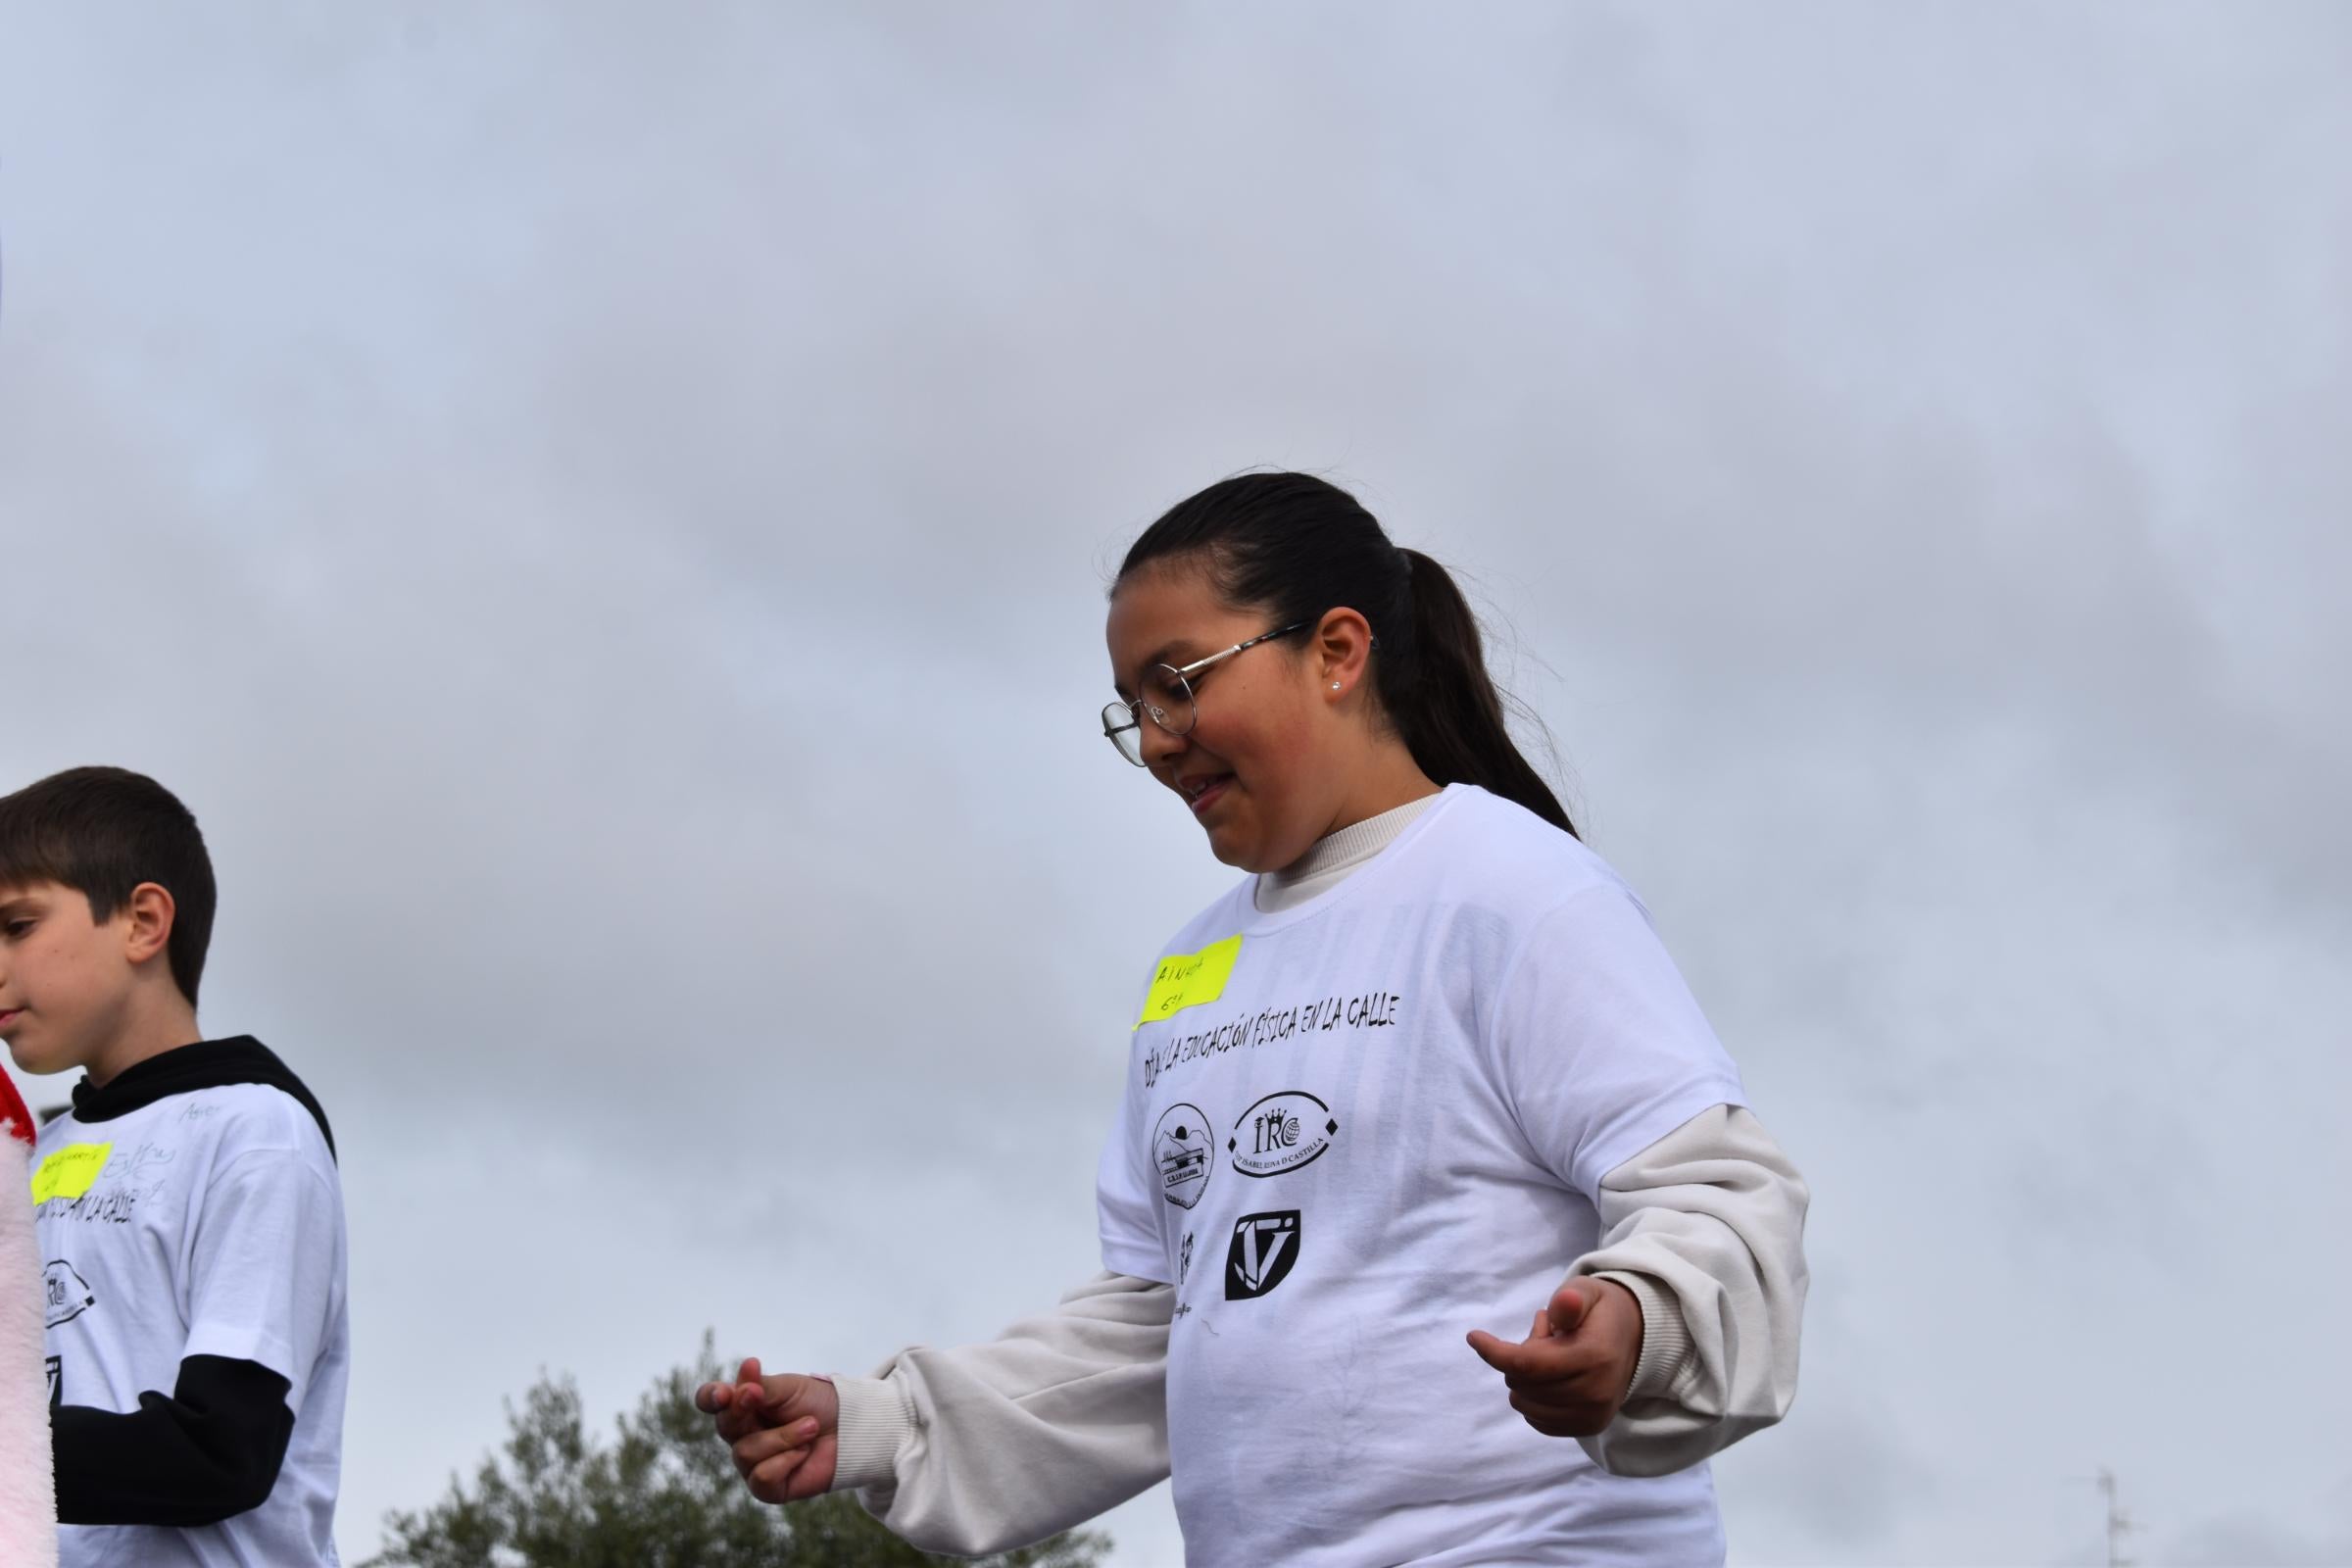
(874, 1421)
(1136, 1262)
(1665, 1337)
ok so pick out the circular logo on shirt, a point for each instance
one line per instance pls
(1180, 1148)
(1280, 1133)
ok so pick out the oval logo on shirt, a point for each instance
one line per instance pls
(65, 1293)
(1180, 1148)
(1280, 1133)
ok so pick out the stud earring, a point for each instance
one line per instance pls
(1335, 685)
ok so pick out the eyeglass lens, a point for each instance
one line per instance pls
(1165, 700)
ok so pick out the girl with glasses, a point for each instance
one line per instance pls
(1435, 1225)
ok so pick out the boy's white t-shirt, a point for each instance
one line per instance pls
(1382, 1126)
(206, 1223)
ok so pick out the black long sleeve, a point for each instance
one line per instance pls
(208, 1451)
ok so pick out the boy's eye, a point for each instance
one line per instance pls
(17, 928)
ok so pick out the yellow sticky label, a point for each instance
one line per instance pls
(70, 1171)
(1188, 979)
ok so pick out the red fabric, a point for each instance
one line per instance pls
(12, 1112)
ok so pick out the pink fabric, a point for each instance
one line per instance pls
(28, 1498)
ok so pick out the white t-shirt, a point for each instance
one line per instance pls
(207, 1223)
(1376, 1122)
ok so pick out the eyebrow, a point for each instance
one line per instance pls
(1170, 654)
(1175, 654)
(20, 904)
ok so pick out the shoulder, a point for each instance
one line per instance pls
(1485, 852)
(256, 1120)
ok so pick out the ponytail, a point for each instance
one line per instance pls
(1299, 546)
(1446, 705)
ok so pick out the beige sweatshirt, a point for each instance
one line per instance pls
(989, 1447)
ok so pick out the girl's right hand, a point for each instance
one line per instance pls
(784, 1430)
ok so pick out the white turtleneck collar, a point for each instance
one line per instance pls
(1335, 857)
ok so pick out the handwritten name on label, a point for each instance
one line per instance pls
(70, 1171)
(1188, 979)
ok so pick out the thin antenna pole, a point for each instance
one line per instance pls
(2119, 1523)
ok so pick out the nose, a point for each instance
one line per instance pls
(1159, 747)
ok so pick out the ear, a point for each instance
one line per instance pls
(148, 913)
(1340, 654)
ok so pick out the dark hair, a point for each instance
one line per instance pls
(1300, 546)
(102, 831)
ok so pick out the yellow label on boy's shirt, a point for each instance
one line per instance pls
(1188, 979)
(70, 1171)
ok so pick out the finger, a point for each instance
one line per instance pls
(1535, 1362)
(1577, 1388)
(713, 1398)
(759, 1404)
(748, 1372)
(768, 1442)
(1581, 1420)
(1557, 1365)
(772, 1482)
(1500, 1353)
(762, 1445)
(742, 1418)
(1563, 1405)
(1571, 1304)
(1543, 1328)
(786, 1477)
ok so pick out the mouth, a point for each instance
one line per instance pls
(9, 1015)
(1204, 789)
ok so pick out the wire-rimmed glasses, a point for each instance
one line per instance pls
(1166, 695)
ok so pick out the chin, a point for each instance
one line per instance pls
(1233, 847)
(32, 1063)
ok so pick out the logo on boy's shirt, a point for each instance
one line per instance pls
(1180, 1149)
(1280, 1133)
(1265, 1249)
(65, 1295)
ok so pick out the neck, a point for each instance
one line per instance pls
(152, 1025)
(1388, 779)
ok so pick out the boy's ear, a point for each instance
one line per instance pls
(148, 914)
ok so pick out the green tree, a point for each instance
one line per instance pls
(662, 1493)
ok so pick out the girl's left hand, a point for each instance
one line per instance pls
(1570, 1374)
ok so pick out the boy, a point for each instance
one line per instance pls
(187, 1209)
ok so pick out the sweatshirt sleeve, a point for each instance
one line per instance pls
(987, 1447)
(1706, 1229)
(209, 1451)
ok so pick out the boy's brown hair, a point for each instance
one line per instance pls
(102, 831)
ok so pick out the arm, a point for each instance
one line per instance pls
(989, 1447)
(1706, 1229)
(209, 1451)
(973, 1450)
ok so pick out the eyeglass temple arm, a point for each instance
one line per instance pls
(1197, 665)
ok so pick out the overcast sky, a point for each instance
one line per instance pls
(603, 511)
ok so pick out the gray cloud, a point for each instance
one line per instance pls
(604, 516)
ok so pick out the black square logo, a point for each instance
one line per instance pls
(1265, 1249)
